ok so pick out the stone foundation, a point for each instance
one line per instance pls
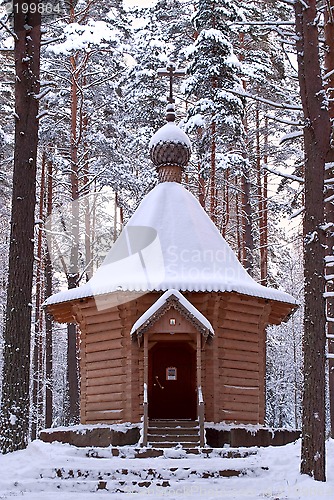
(99, 436)
(239, 436)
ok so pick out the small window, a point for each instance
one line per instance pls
(171, 373)
(172, 321)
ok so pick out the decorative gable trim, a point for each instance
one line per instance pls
(172, 301)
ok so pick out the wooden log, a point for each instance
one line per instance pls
(101, 365)
(105, 372)
(236, 345)
(107, 345)
(242, 374)
(103, 355)
(240, 365)
(242, 308)
(104, 406)
(238, 298)
(240, 417)
(240, 382)
(241, 398)
(241, 326)
(237, 335)
(241, 407)
(106, 330)
(104, 416)
(235, 355)
(115, 396)
(103, 317)
(104, 389)
(236, 389)
(168, 337)
(108, 381)
(254, 318)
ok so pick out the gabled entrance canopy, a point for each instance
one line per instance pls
(172, 299)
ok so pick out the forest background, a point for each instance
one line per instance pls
(246, 103)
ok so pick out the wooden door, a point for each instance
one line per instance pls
(172, 381)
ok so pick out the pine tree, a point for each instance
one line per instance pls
(14, 417)
(316, 146)
(216, 115)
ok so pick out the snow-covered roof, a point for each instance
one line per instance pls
(170, 243)
(162, 301)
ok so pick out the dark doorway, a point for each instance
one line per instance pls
(172, 381)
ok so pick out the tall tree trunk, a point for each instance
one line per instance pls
(264, 228)
(213, 197)
(73, 276)
(316, 145)
(17, 335)
(48, 319)
(226, 206)
(247, 235)
(37, 400)
(261, 194)
(329, 179)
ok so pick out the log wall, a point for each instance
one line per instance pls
(111, 378)
(233, 362)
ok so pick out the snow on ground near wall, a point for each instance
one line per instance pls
(21, 475)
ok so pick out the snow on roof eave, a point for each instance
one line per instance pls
(143, 322)
(258, 291)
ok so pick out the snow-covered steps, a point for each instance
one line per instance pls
(130, 479)
(54, 468)
(171, 433)
(126, 452)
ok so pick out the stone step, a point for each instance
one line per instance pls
(171, 444)
(169, 433)
(173, 431)
(173, 423)
(153, 452)
(173, 438)
(145, 474)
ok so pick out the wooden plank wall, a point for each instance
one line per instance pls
(241, 352)
(111, 363)
(233, 371)
(102, 364)
(233, 363)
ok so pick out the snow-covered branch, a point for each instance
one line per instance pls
(282, 120)
(330, 198)
(283, 174)
(296, 213)
(14, 35)
(265, 101)
(263, 23)
(291, 136)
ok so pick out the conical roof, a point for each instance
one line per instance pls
(170, 242)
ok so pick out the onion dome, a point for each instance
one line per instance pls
(170, 149)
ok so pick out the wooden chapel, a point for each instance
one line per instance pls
(171, 324)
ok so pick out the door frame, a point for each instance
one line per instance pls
(197, 367)
(183, 348)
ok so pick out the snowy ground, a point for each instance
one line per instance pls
(32, 474)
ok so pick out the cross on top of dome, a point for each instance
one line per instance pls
(171, 72)
(170, 147)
